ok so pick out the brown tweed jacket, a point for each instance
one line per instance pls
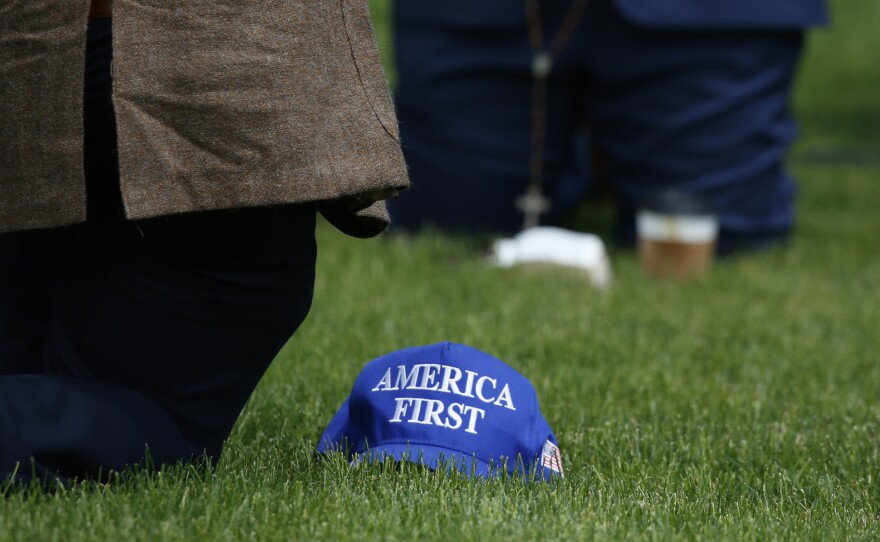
(219, 104)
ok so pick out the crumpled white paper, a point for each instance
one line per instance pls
(556, 246)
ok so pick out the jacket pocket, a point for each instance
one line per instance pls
(365, 51)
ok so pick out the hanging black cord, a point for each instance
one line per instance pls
(533, 203)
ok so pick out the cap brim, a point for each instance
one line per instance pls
(433, 457)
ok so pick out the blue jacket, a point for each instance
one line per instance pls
(702, 14)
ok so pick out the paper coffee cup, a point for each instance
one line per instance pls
(676, 234)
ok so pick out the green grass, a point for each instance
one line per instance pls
(837, 99)
(742, 406)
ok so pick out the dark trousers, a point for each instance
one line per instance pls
(123, 338)
(701, 111)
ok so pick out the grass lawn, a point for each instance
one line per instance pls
(741, 406)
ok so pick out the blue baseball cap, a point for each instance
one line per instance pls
(448, 403)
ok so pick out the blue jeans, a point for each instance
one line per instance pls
(701, 111)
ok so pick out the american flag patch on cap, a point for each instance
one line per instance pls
(551, 457)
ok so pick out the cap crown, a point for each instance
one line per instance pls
(444, 399)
